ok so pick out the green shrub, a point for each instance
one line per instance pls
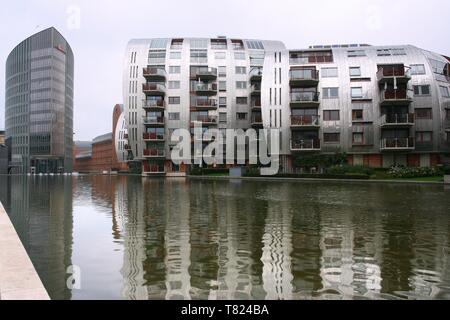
(419, 172)
(446, 170)
(319, 160)
(355, 176)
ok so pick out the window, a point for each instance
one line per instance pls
(174, 69)
(222, 71)
(257, 58)
(355, 71)
(255, 45)
(329, 72)
(174, 84)
(239, 55)
(331, 115)
(220, 55)
(422, 90)
(219, 44)
(222, 117)
(358, 137)
(357, 115)
(158, 43)
(241, 116)
(237, 44)
(356, 53)
(391, 52)
(445, 92)
(241, 70)
(176, 44)
(199, 43)
(331, 137)
(222, 101)
(222, 86)
(241, 84)
(175, 55)
(199, 56)
(424, 113)
(157, 57)
(174, 100)
(330, 93)
(241, 100)
(417, 69)
(357, 92)
(174, 116)
(424, 136)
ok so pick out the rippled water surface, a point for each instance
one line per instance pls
(135, 238)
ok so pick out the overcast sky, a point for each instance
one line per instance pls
(99, 30)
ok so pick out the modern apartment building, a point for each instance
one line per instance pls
(39, 104)
(381, 105)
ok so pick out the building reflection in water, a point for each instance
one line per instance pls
(40, 209)
(188, 239)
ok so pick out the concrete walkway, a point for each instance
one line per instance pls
(18, 277)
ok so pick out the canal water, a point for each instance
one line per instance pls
(137, 238)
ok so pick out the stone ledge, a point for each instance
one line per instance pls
(18, 277)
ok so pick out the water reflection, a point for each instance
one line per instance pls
(137, 238)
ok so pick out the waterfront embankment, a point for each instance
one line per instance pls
(18, 277)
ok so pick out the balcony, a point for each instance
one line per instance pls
(397, 120)
(154, 121)
(205, 89)
(154, 104)
(205, 120)
(206, 74)
(304, 78)
(387, 74)
(397, 144)
(154, 74)
(256, 74)
(256, 105)
(256, 90)
(154, 153)
(305, 122)
(392, 97)
(256, 120)
(305, 99)
(151, 136)
(204, 104)
(154, 89)
(305, 145)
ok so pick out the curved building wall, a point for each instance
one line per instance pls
(39, 104)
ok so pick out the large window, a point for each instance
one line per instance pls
(239, 55)
(391, 52)
(174, 116)
(174, 69)
(222, 86)
(357, 115)
(423, 90)
(356, 53)
(241, 116)
(424, 136)
(444, 91)
(331, 115)
(417, 69)
(157, 57)
(357, 92)
(331, 137)
(358, 138)
(241, 70)
(355, 71)
(330, 93)
(241, 100)
(424, 113)
(241, 84)
(220, 55)
(174, 84)
(329, 72)
(174, 100)
(175, 55)
(199, 56)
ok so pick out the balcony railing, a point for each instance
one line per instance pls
(153, 104)
(152, 72)
(154, 153)
(154, 88)
(305, 145)
(256, 104)
(395, 96)
(305, 76)
(205, 73)
(205, 119)
(256, 120)
(151, 136)
(398, 119)
(205, 103)
(154, 120)
(397, 144)
(206, 88)
(388, 73)
(305, 98)
(305, 121)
